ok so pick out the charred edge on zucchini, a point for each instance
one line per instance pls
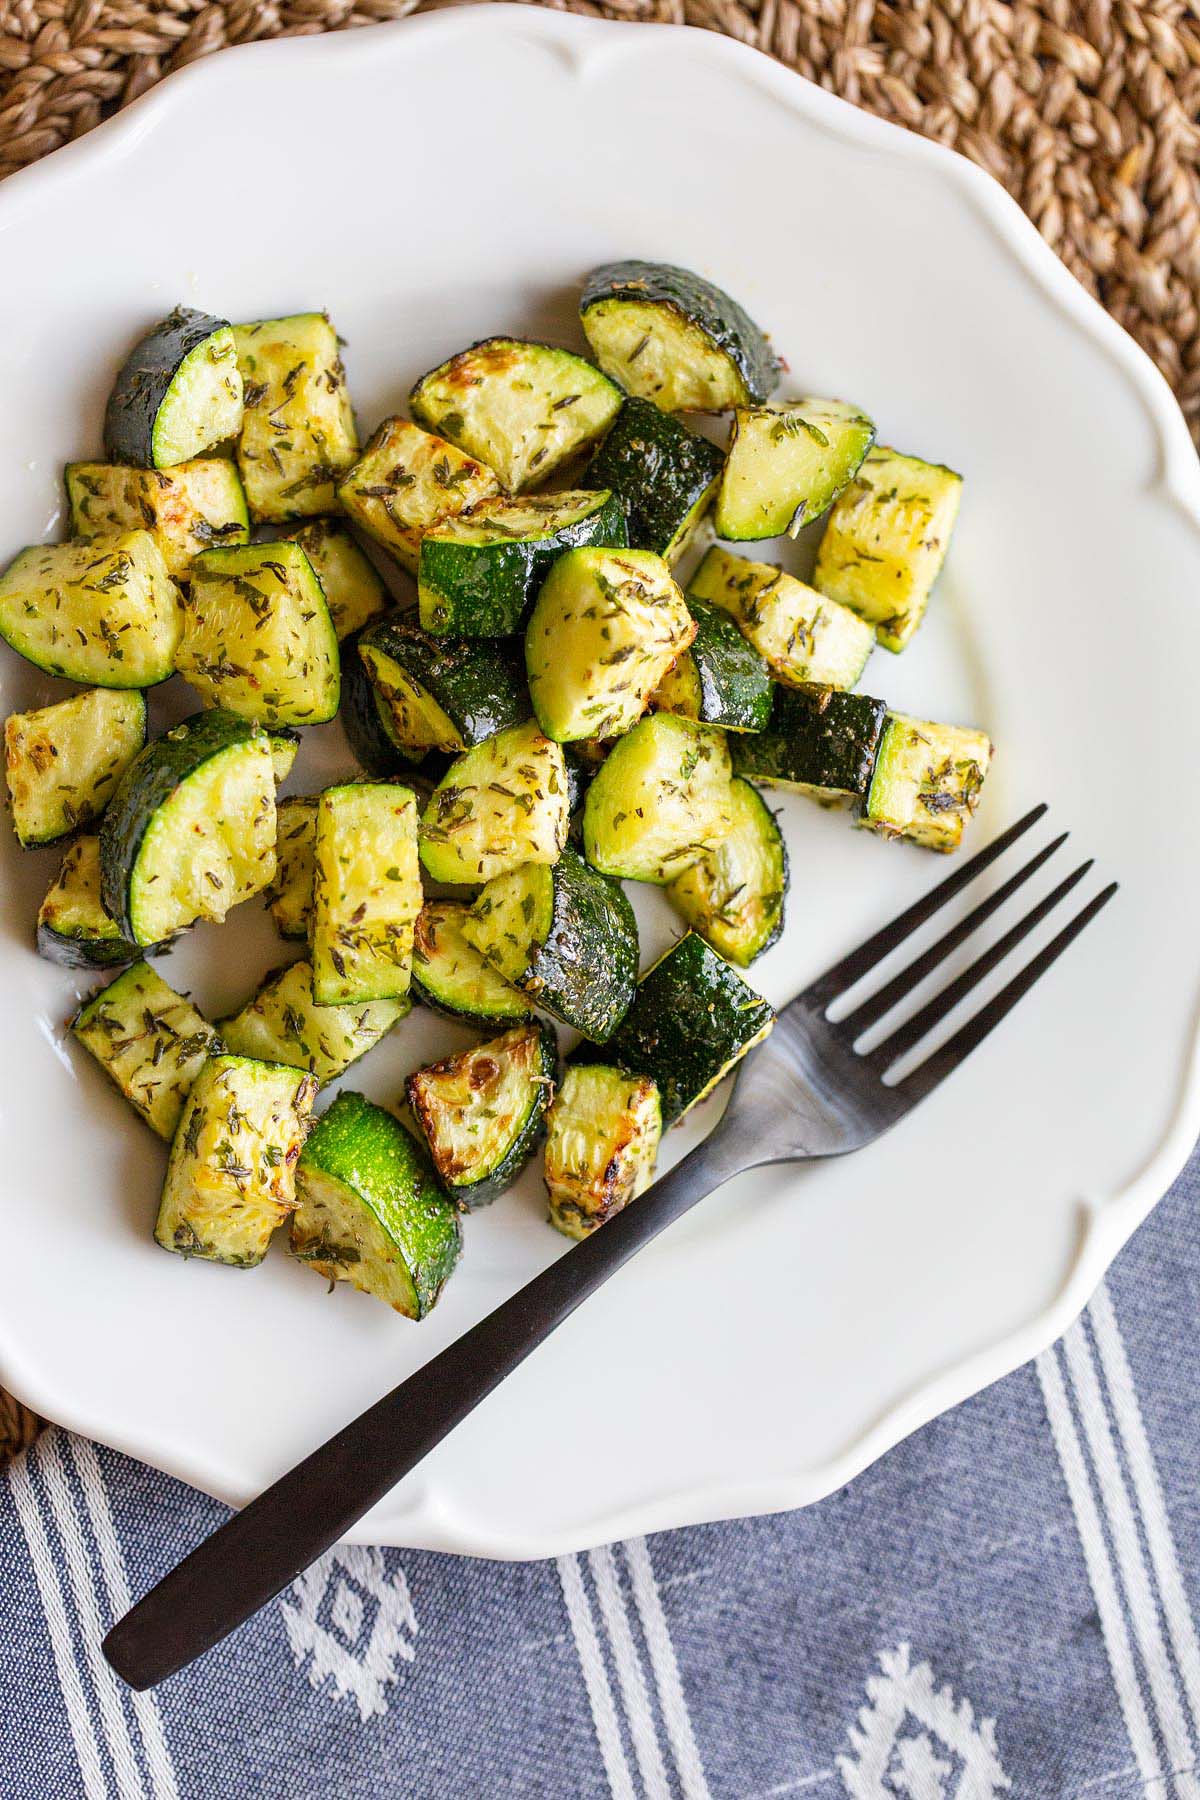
(73, 928)
(482, 1111)
(149, 1040)
(659, 801)
(297, 437)
(439, 693)
(802, 635)
(282, 1023)
(366, 893)
(819, 742)
(63, 762)
(734, 894)
(178, 394)
(788, 464)
(927, 781)
(720, 679)
(501, 804)
(665, 475)
(406, 482)
(452, 978)
(193, 507)
(107, 615)
(601, 1146)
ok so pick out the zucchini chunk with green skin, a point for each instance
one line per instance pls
(819, 742)
(482, 1111)
(107, 615)
(670, 336)
(353, 588)
(408, 481)
(282, 1023)
(231, 1175)
(187, 509)
(801, 635)
(734, 894)
(479, 573)
(522, 408)
(453, 979)
(566, 936)
(927, 781)
(607, 626)
(503, 803)
(659, 801)
(441, 693)
(73, 928)
(366, 893)
(63, 762)
(788, 464)
(693, 1019)
(362, 718)
(285, 746)
(257, 636)
(369, 1210)
(178, 393)
(886, 541)
(190, 831)
(149, 1040)
(665, 474)
(289, 894)
(601, 1145)
(720, 679)
(297, 436)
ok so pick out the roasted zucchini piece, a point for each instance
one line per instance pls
(503, 803)
(366, 893)
(290, 892)
(720, 679)
(231, 1175)
(669, 336)
(820, 742)
(566, 936)
(186, 509)
(149, 1040)
(788, 464)
(107, 615)
(282, 1023)
(521, 408)
(452, 978)
(607, 626)
(178, 393)
(601, 1145)
(482, 1111)
(408, 481)
(257, 636)
(364, 719)
(369, 1210)
(441, 693)
(72, 926)
(285, 746)
(63, 761)
(659, 801)
(479, 573)
(693, 1019)
(801, 636)
(353, 588)
(927, 781)
(886, 541)
(190, 831)
(297, 436)
(733, 895)
(665, 475)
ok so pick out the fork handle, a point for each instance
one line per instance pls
(256, 1553)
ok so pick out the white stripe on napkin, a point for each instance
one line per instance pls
(630, 1674)
(665, 1665)
(595, 1678)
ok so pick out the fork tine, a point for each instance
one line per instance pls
(908, 1035)
(866, 1015)
(934, 1070)
(859, 962)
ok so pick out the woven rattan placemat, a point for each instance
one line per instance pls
(1088, 113)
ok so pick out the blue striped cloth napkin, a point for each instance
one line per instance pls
(1005, 1606)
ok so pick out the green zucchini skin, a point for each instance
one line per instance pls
(471, 1195)
(665, 474)
(73, 929)
(732, 682)
(478, 683)
(361, 719)
(727, 326)
(144, 380)
(692, 1020)
(819, 739)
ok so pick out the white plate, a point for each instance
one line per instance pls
(454, 175)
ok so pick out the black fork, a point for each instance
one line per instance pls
(806, 1092)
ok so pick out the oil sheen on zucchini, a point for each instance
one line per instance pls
(73, 928)
(482, 1111)
(659, 801)
(289, 894)
(63, 762)
(521, 408)
(733, 895)
(566, 936)
(369, 1210)
(257, 636)
(190, 831)
(231, 1175)
(670, 336)
(503, 803)
(479, 573)
(927, 781)
(819, 742)
(282, 1023)
(788, 464)
(353, 589)
(297, 437)
(149, 1040)
(192, 507)
(801, 635)
(720, 679)
(665, 475)
(453, 979)
(406, 482)
(440, 693)
(607, 626)
(601, 1145)
(366, 893)
(107, 615)
(178, 393)
(693, 1019)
